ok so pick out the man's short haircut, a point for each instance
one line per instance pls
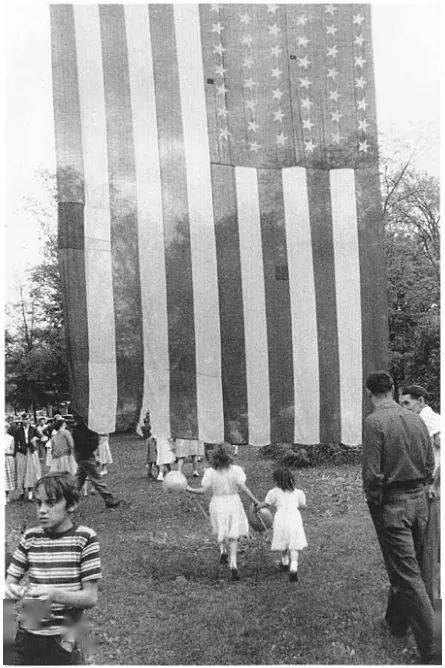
(60, 486)
(379, 382)
(415, 391)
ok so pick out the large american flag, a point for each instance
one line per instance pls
(220, 226)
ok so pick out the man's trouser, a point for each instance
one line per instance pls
(400, 524)
(87, 468)
(20, 472)
(431, 552)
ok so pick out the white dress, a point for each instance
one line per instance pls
(165, 454)
(227, 515)
(288, 530)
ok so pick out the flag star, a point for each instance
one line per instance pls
(220, 70)
(332, 51)
(224, 133)
(274, 30)
(307, 124)
(253, 126)
(219, 49)
(331, 30)
(305, 83)
(304, 62)
(277, 94)
(254, 146)
(281, 139)
(248, 62)
(359, 39)
(244, 18)
(222, 112)
(336, 138)
(358, 19)
(249, 83)
(301, 20)
(334, 95)
(247, 40)
(330, 9)
(363, 146)
(363, 125)
(278, 115)
(276, 50)
(250, 104)
(276, 72)
(360, 82)
(221, 90)
(306, 103)
(362, 104)
(214, 7)
(217, 27)
(359, 61)
(303, 41)
(309, 146)
(272, 8)
(332, 73)
(335, 116)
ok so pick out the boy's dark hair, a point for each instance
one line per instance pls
(221, 456)
(284, 478)
(379, 382)
(416, 391)
(60, 486)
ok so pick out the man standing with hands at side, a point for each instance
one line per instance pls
(397, 470)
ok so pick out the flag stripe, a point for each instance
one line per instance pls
(98, 272)
(70, 201)
(124, 241)
(374, 314)
(303, 307)
(324, 278)
(231, 314)
(347, 286)
(181, 327)
(278, 312)
(150, 221)
(202, 231)
(255, 326)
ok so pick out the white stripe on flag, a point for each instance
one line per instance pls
(254, 305)
(303, 309)
(349, 313)
(156, 393)
(202, 232)
(99, 286)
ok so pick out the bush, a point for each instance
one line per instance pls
(299, 456)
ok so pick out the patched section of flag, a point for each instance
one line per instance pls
(289, 85)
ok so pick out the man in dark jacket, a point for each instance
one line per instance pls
(25, 440)
(85, 443)
(398, 464)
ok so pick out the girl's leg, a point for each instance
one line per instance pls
(293, 566)
(195, 466)
(233, 543)
(285, 559)
(180, 463)
(223, 556)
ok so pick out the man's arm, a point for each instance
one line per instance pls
(85, 598)
(372, 462)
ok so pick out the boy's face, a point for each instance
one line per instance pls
(52, 515)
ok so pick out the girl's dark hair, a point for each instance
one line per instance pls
(221, 456)
(60, 486)
(284, 478)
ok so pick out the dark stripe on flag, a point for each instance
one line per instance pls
(233, 353)
(124, 236)
(372, 274)
(278, 309)
(71, 197)
(324, 279)
(178, 260)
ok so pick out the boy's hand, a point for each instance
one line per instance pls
(35, 591)
(14, 591)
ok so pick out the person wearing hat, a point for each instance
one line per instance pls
(25, 443)
(397, 469)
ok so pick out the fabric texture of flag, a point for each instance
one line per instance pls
(220, 232)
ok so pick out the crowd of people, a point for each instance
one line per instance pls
(401, 480)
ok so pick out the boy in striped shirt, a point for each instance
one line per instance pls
(63, 566)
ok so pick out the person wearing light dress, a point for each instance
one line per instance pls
(104, 454)
(62, 450)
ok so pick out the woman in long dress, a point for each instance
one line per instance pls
(62, 449)
(9, 463)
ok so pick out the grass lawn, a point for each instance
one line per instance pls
(166, 600)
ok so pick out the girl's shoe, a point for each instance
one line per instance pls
(293, 576)
(234, 573)
(160, 477)
(224, 558)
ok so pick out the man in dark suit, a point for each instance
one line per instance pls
(25, 440)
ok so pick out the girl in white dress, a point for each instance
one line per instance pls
(288, 531)
(227, 515)
(9, 462)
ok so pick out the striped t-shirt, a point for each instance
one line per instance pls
(63, 560)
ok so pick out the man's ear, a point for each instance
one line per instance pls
(422, 402)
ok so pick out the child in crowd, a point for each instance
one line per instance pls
(63, 566)
(9, 462)
(150, 443)
(227, 515)
(288, 531)
(62, 449)
(165, 456)
(186, 447)
(104, 454)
